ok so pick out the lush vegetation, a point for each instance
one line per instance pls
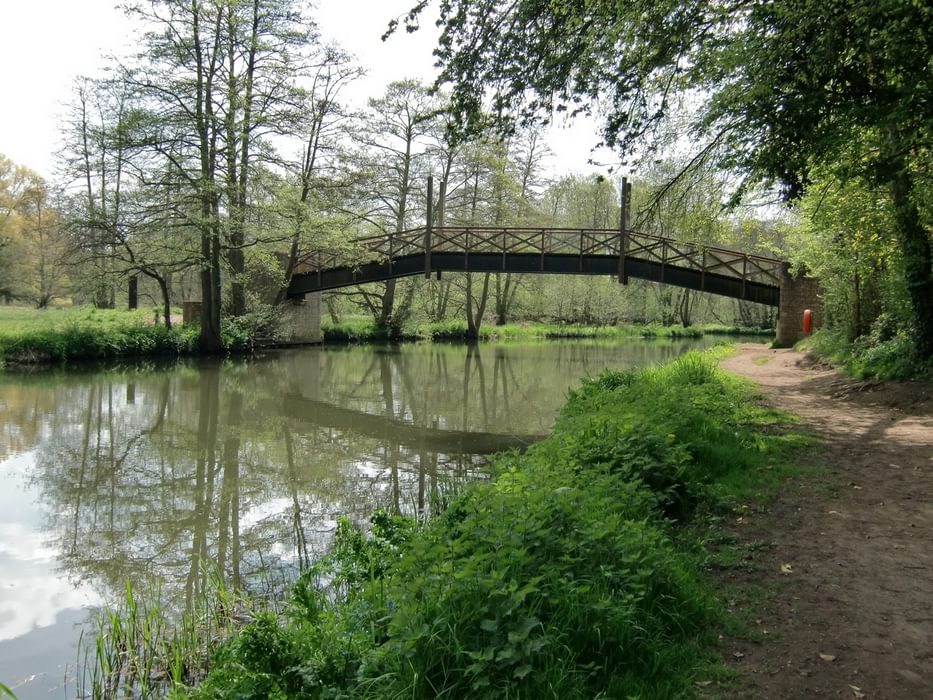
(846, 238)
(831, 99)
(28, 336)
(884, 353)
(575, 572)
(361, 329)
(173, 187)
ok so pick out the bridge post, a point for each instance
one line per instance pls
(427, 229)
(300, 319)
(798, 293)
(624, 224)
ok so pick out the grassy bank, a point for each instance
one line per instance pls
(883, 353)
(577, 571)
(364, 330)
(56, 335)
(30, 336)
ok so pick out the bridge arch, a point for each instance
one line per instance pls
(622, 252)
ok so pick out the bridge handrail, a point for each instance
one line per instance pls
(555, 240)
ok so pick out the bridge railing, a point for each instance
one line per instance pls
(555, 241)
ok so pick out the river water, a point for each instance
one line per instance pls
(165, 472)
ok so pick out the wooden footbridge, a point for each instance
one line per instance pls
(579, 251)
(623, 252)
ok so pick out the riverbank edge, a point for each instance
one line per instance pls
(364, 331)
(87, 341)
(641, 467)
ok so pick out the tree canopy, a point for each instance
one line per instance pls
(778, 88)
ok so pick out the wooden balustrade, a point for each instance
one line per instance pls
(545, 250)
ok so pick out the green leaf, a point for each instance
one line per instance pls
(521, 671)
(489, 626)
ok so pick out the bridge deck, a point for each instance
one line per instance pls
(549, 251)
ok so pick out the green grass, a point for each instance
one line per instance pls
(886, 351)
(578, 571)
(58, 335)
(140, 644)
(18, 319)
(360, 329)
(30, 336)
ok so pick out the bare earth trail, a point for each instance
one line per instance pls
(851, 614)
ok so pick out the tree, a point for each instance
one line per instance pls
(33, 246)
(527, 151)
(12, 184)
(785, 87)
(846, 240)
(94, 153)
(393, 141)
(320, 173)
(213, 82)
(44, 246)
(125, 222)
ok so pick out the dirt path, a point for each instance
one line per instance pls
(853, 616)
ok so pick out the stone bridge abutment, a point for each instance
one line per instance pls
(798, 293)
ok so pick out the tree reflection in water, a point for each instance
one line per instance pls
(242, 468)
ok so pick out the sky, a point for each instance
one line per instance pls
(46, 44)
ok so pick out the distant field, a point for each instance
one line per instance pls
(31, 336)
(17, 319)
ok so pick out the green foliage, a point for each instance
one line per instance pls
(94, 335)
(538, 586)
(361, 330)
(356, 330)
(567, 575)
(263, 647)
(845, 238)
(884, 352)
(791, 91)
(29, 336)
(634, 451)
(356, 558)
(239, 333)
(138, 648)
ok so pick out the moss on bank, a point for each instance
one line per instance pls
(577, 571)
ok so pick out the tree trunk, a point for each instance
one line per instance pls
(133, 293)
(166, 300)
(475, 321)
(685, 309)
(388, 305)
(915, 247)
(502, 310)
(330, 303)
(238, 170)
(856, 329)
(210, 340)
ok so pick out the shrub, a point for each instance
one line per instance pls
(567, 575)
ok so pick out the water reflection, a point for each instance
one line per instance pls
(242, 467)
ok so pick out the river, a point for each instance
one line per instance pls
(170, 471)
